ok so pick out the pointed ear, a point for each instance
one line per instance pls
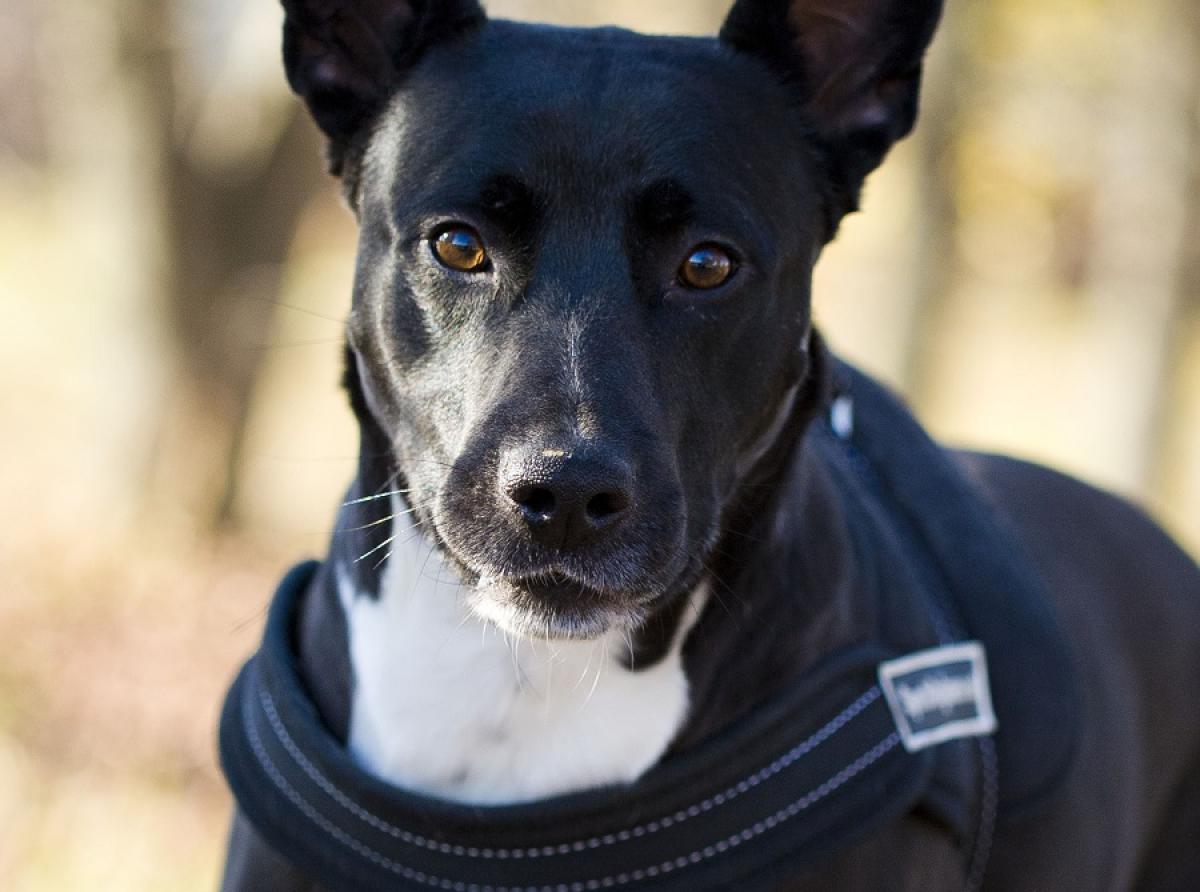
(856, 65)
(344, 57)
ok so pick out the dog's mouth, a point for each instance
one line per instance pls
(553, 605)
(554, 587)
(548, 602)
(537, 589)
(570, 597)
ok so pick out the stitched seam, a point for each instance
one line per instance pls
(566, 848)
(757, 829)
(988, 802)
(327, 826)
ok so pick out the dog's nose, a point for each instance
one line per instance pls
(565, 498)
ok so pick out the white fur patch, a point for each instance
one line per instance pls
(446, 704)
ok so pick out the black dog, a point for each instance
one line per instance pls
(637, 586)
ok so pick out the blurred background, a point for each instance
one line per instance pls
(174, 266)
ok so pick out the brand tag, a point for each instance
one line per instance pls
(939, 694)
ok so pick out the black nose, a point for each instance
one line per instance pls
(566, 499)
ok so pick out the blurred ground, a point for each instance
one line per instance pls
(173, 269)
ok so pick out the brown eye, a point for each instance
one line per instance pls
(460, 248)
(707, 267)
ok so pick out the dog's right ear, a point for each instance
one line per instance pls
(344, 57)
(854, 65)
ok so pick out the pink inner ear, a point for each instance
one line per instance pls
(834, 39)
(348, 53)
(832, 34)
(324, 71)
(870, 113)
(844, 44)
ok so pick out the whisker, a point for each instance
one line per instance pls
(384, 544)
(253, 618)
(736, 617)
(432, 461)
(468, 615)
(425, 563)
(756, 539)
(514, 643)
(586, 668)
(301, 459)
(599, 672)
(549, 681)
(382, 495)
(307, 312)
(375, 523)
(284, 345)
(724, 605)
(379, 493)
(365, 526)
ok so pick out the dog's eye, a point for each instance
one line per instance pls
(460, 248)
(706, 267)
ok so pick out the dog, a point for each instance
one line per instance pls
(638, 586)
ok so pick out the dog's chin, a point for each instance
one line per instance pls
(552, 609)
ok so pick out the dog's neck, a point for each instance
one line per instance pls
(445, 703)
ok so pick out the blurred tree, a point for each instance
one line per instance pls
(101, 292)
(236, 165)
(929, 290)
(22, 140)
(667, 16)
(1137, 279)
(1173, 394)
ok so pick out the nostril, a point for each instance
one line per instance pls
(536, 500)
(561, 498)
(604, 505)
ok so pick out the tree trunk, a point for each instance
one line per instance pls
(1174, 409)
(930, 287)
(226, 229)
(1134, 280)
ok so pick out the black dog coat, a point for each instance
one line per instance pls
(839, 755)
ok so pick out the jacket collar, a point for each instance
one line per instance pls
(809, 771)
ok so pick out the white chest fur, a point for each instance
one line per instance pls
(444, 703)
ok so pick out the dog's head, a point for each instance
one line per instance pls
(581, 311)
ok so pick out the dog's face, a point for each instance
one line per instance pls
(575, 315)
(581, 309)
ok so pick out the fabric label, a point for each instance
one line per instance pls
(939, 694)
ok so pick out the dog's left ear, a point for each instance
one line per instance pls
(855, 63)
